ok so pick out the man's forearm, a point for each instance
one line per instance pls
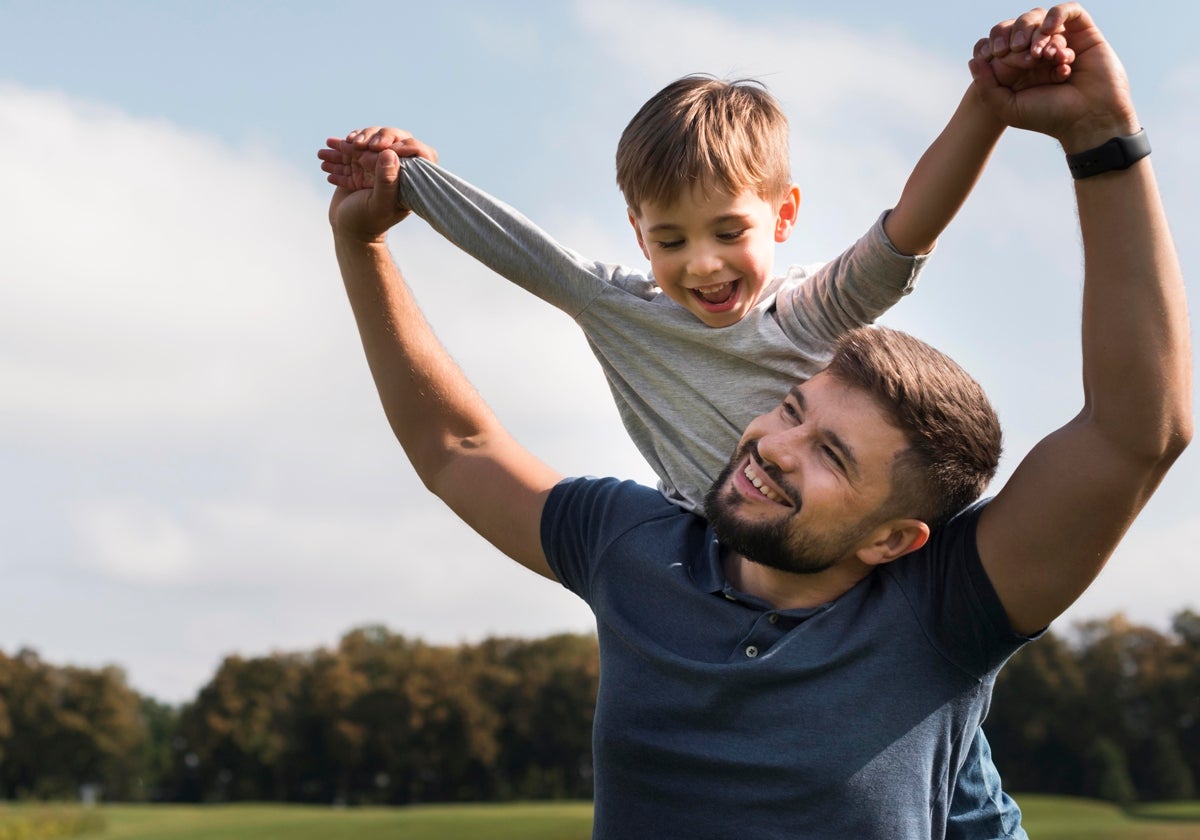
(427, 400)
(1136, 338)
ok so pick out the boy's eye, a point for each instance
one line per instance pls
(731, 235)
(669, 244)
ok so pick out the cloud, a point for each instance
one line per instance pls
(184, 388)
(155, 279)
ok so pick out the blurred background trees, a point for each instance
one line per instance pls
(1109, 710)
(1112, 711)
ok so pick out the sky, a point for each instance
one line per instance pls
(193, 461)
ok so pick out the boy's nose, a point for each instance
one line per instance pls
(703, 264)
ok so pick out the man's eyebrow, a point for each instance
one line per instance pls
(835, 441)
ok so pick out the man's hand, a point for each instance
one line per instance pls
(1092, 105)
(366, 214)
(350, 161)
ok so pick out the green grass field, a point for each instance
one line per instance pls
(1046, 818)
(1063, 818)
(542, 821)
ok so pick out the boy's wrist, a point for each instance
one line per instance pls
(981, 113)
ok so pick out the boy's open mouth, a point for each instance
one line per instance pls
(717, 295)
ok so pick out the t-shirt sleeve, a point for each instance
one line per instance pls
(583, 517)
(824, 302)
(954, 599)
(507, 242)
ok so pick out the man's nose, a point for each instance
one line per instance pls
(782, 447)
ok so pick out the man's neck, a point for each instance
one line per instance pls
(787, 590)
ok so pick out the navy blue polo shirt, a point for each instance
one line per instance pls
(720, 717)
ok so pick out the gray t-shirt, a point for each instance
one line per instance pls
(684, 390)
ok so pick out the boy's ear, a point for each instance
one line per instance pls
(893, 539)
(789, 212)
(637, 229)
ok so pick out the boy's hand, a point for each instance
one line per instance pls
(1093, 105)
(365, 215)
(350, 161)
(1018, 61)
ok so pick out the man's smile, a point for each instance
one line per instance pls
(763, 484)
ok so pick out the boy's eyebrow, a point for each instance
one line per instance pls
(832, 438)
(724, 218)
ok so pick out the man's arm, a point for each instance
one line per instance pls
(1052, 527)
(455, 443)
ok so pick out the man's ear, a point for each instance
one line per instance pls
(893, 539)
(637, 229)
(788, 213)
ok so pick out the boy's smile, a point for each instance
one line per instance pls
(712, 252)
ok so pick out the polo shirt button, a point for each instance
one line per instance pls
(773, 617)
(751, 651)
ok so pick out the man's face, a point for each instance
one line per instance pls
(711, 252)
(809, 480)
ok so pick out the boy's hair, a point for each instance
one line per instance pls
(723, 135)
(952, 429)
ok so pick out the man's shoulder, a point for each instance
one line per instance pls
(609, 499)
(593, 513)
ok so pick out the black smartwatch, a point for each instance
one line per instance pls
(1118, 153)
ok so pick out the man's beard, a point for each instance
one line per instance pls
(777, 544)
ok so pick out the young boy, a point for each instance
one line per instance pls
(711, 338)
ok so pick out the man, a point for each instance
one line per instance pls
(819, 666)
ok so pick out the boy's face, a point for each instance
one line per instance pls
(711, 252)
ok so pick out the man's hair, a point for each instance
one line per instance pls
(721, 135)
(952, 429)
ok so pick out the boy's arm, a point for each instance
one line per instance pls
(455, 443)
(943, 177)
(484, 227)
(1051, 528)
(951, 166)
(869, 277)
(504, 239)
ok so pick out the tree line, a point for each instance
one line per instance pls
(1111, 710)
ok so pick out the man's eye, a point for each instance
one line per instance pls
(790, 410)
(832, 456)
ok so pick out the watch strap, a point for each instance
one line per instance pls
(1118, 153)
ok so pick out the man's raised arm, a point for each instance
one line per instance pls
(1052, 527)
(455, 443)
